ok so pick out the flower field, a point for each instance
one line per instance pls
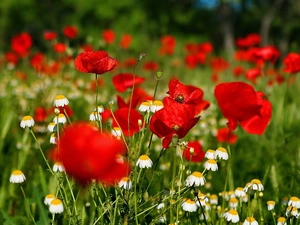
(94, 132)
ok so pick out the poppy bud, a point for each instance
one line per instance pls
(159, 74)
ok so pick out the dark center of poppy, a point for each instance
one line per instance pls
(179, 98)
(176, 127)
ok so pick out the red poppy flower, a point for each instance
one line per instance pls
(240, 103)
(150, 66)
(59, 47)
(49, 35)
(205, 47)
(98, 62)
(130, 62)
(124, 81)
(268, 53)
(139, 96)
(12, 58)
(191, 61)
(186, 94)
(121, 116)
(173, 119)
(168, 43)
(108, 36)
(252, 74)
(37, 61)
(70, 32)
(197, 155)
(223, 135)
(87, 154)
(238, 71)
(51, 68)
(21, 75)
(249, 41)
(40, 114)
(21, 44)
(292, 63)
(218, 64)
(126, 41)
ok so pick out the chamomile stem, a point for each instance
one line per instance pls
(27, 205)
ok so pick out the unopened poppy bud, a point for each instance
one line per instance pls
(111, 103)
(142, 55)
(159, 74)
(140, 122)
(192, 150)
(182, 167)
(56, 111)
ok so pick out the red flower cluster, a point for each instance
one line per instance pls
(167, 47)
(197, 54)
(226, 135)
(94, 62)
(21, 44)
(292, 63)
(49, 35)
(87, 154)
(240, 103)
(180, 112)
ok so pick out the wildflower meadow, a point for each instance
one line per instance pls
(94, 132)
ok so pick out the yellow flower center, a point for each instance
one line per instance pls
(59, 97)
(197, 174)
(17, 172)
(144, 157)
(56, 201)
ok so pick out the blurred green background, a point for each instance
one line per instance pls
(278, 21)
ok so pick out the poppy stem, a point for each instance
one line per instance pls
(97, 114)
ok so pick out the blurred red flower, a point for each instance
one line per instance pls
(150, 66)
(70, 32)
(197, 155)
(40, 114)
(21, 44)
(223, 135)
(126, 41)
(252, 74)
(191, 61)
(121, 116)
(292, 63)
(59, 47)
(98, 62)
(12, 57)
(88, 154)
(108, 36)
(268, 53)
(37, 61)
(238, 71)
(49, 35)
(250, 40)
(175, 119)
(218, 64)
(205, 47)
(240, 103)
(124, 81)
(168, 43)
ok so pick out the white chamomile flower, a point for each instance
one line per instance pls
(156, 105)
(221, 153)
(210, 154)
(271, 205)
(58, 167)
(17, 176)
(189, 205)
(125, 183)
(51, 127)
(60, 101)
(56, 206)
(294, 201)
(144, 162)
(95, 116)
(250, 221)
(61, 118)
(116, 132)
(195, 179)
(232, 216)
(27, 121)
(211, 164)
(48, 199)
